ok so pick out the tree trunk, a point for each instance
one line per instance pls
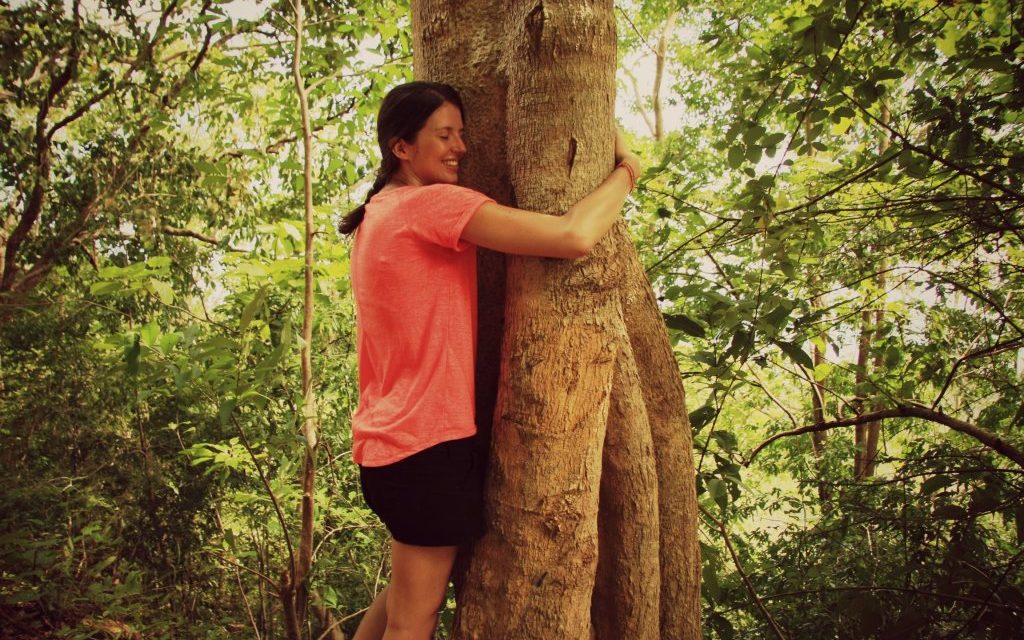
(874, 429)
(659, 74)
(818, 438)
(591, 503)
(860, 390)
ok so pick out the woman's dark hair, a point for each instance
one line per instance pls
(402, 114)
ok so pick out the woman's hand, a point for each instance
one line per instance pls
(623, 154)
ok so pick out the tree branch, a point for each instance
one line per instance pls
(999, 347)
(145, 54)
(906, 410)
(256, 573)
(266, 485)
(34, 204)
(739, 568)
(188, 233)
(928, 153)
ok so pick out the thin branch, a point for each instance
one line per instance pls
(881, 162)
(928, 153)
(280, 142)
(270, 492)
(638, 34)
(818, 84)
(997, 348)
(976, 294)
(34, 204)
(988, 599)
(310, 427)
(639, 98)
(188, 233)
(746, 581)
(771, 397)
(238, 576)
(256, 573)
(145, 54)
(341, 620)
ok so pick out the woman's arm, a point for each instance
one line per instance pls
(571, 235)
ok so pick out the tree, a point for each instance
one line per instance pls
(590, 446)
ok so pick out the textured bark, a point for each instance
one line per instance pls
(582, 433)
(665, 399)
(817, 392)
(873, 429)
(860, 382)
(818, 415)
(659, 74)
(627, 593)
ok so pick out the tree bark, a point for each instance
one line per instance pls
(860, 391)
(818, 438)
(874, 429)
(659, 74)
(591, 503)
(299, 571)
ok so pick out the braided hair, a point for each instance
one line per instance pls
(403, 113)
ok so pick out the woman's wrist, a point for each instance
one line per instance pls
(631, 164)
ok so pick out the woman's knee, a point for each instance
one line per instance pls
(413, 606)
(419, 580)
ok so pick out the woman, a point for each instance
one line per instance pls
(414, 279)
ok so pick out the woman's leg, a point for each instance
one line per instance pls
(375, 620)
(419, 579)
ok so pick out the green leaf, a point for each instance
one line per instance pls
(718, 490)
(250, 309)
(149, 333)
(736, 155)
(702, 416)
(851, 7)
(168, 341)
(163, 290)
(947, 43)
(933, 484)
(131, 356)
(798, 25)
(685, 324)
(950, 512)
(105, 287)
(796, 354)
(777, 316)
(726, 440)
(225, 410)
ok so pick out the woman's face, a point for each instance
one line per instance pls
(435, 153)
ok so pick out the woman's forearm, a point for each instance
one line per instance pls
(591, 218)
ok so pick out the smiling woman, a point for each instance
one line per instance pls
(435, 153)
(413, 273)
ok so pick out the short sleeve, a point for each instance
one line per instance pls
(438, 213)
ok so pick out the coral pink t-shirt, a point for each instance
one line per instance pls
(414, 282)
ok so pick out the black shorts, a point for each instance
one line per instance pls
(433, 498)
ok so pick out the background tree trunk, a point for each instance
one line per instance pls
(589, 412)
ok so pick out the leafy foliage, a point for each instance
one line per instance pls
(846, 219)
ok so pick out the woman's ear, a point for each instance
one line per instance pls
(400, 149)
